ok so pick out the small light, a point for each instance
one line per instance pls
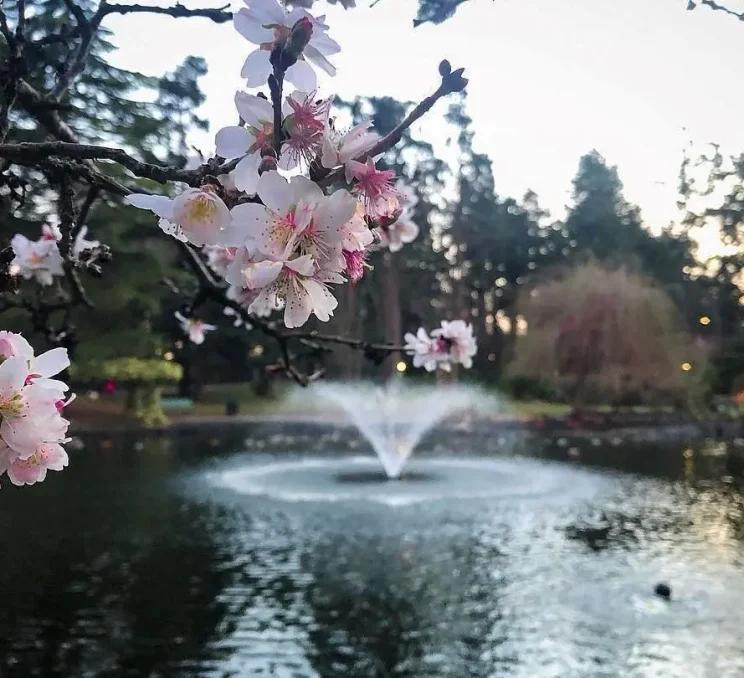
(168, 355)
(401, 366)
(704, 320)
(257, 351)
(686, 367)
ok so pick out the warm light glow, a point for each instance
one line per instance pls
(704, 320)
(168, 355)
(257, 351)
(401, 366)
(686, 367)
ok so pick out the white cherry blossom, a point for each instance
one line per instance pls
(267, 24)
(194, 328)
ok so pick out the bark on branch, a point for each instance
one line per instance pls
(41, 151)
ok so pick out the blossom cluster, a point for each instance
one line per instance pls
(451, 344)
(268, 227)
(32, 429)
(40, 260)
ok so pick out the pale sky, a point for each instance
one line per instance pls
(549, 80)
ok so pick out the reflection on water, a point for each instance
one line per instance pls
(132, 563)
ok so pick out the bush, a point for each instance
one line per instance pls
(141, 377)
(600, 335)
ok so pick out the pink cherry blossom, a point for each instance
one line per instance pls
(452, 343)
(340, 149)
(404, 230)
(194, 328)
(377, 189)
(32, 429)
(355, 264)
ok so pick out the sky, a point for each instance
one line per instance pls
(638, 80)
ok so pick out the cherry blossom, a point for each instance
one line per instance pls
(39, 260)
(267, 24)
(456, 336)
(305, 126)
(403, 230)
(220, 258)
(452, 343)
(339, 149)
(81, 244)
(377, 189)
(198, 215)
(32, 429)
(250, 142)
(194, 328)
(423, 349)
(295, 211)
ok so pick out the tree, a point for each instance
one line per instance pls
(128, 109)
(496, 244)
(605, 335)
(439, 11)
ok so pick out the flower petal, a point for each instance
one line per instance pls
(50, 363)
(267, 11)
(262, 273)
(251, 218)
(335, 211)
(298, 307)
(233, 141)
(274, 192)
(319, 60)
(303, 189)
(256, 68)
(322, 300)
(303, 265)
(302, 76)
(250, 27)
(13, 373)
(324, 44)
(160, 204)
(254, 110)
(245, 175)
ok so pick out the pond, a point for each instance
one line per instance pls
(203, 553)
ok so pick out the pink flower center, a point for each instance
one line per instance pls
(354, 265)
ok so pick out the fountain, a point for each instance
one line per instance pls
(393, 417)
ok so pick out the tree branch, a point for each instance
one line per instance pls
(452, 81)
(77, 63)
(716, 6)
(14, 65)
(219, 15)
(29, 151)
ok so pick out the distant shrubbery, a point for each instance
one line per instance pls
(141, 377)
(606, 336)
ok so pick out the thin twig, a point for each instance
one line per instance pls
(77, 63)
(452, 81)
(712, 4)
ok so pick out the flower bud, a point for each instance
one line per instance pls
(298, 39)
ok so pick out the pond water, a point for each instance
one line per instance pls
(275, 549)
